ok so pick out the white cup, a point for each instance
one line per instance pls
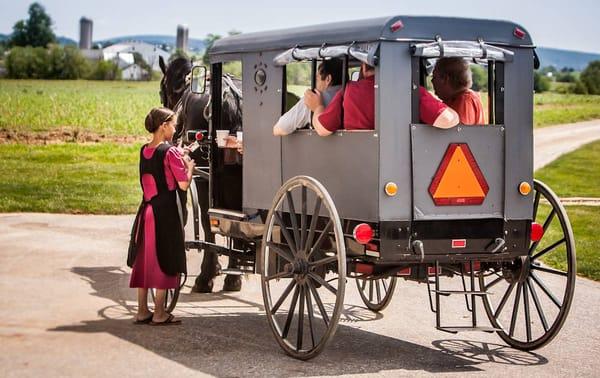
(239, 136)
(221, 135)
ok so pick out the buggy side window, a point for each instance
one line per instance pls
(297, 79)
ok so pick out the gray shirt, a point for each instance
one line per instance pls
(299, 115)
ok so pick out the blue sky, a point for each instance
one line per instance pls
(572, 25)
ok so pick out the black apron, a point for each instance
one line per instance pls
(170, 248)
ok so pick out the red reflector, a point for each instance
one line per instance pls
(459, 243)
(537, 232)
(431, 271)
(476, 266)
(404, 272)
(364, 268)
(199, 136)
(372, 247)
(363, 233)
(396, 26)
(519, 33)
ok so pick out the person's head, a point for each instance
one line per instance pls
(329, 73)
(451, 76)
(366, 70)
(161, 123)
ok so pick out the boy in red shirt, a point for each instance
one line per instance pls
(358, 104)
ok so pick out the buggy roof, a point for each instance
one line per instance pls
(414, 28)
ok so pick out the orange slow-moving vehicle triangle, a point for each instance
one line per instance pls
(458, 180)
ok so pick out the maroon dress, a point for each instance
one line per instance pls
(147, 272)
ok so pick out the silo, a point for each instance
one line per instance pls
(182, 38)
(85, 33)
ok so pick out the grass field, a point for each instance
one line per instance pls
(69, 178)
(118, 108)
(103, 107)
(577, 174)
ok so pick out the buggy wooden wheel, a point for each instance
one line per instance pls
(303, 267)
(172, 295)
(376, 293)
(540, 295)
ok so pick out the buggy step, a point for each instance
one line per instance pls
(235, 272)
(468, 329)
(464, 292)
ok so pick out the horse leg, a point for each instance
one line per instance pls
(210, 261)
(233, 282)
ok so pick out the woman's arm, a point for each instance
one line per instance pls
(189, 164)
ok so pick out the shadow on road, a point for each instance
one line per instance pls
(236, 340)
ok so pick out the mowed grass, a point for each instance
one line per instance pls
(576, 174)
(555, 109)
(69, 178)
(102, 107)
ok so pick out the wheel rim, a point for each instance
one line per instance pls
(532, 298)
(376, 293)
(303, 268)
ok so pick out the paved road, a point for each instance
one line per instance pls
(66, 311)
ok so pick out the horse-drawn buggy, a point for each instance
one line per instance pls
(404, 200)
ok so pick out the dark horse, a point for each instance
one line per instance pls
(193, 112)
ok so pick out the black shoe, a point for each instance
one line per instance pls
(232, 283)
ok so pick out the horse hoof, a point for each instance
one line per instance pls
(232, 283)
(203, 286)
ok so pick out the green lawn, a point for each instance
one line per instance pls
(555, 109)
(576, 174)
(69, 178)
(103, 107)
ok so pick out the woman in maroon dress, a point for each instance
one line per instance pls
(156, 250)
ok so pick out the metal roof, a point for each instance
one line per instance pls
(376, 29)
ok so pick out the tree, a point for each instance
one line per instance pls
(479, 75)
(36, 31)
(591, 77)
(541, 83)
(209, 41)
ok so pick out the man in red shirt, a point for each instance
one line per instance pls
(452, 82)
(358, 105)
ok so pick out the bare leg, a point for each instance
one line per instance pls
(143, 311)
(160, 315)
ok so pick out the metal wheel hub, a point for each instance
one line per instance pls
(518, 270)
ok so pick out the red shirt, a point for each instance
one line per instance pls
(469, 108)
(358, 104)
(359, 107)
(430, 107)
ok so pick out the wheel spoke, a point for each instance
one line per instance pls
(548, 249)
(313, 223)
(293, 218)
(279, 275)
(280, 251)
(378, 291)
(300, 320)
(290, 316)
(493, 282)
(284, 295)
(309, 310)
(370, 290)
(319, 303)
(546, 290)
(385, 289)
(363, 284)
(536, 204)
(527, 315)
(290, 241)
(515, 312)
(321, 238)
(503, 300)
(323, 283)
(549, 219)
(538, 306)
(549, 270)
(324, 261)
(303, 220)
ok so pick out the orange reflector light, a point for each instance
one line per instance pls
(214, 222)
(391, 189)
(458, 180)
(524, 188)
(537, 232)
(363, 233)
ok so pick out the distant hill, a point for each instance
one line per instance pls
(565, 58)
(196, 45)
(61, 40)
